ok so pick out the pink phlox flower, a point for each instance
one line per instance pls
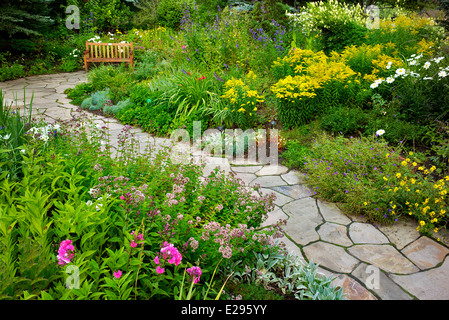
(65, 252)
(118, 274)
(171, 254)
(195, 273)
(138, 236)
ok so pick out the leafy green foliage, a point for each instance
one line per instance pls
(343, 120)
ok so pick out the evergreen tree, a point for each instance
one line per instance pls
(25, 17)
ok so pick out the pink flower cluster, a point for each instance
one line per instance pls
(195, 273)
(138, 236)
(65, 252)
(168, 253)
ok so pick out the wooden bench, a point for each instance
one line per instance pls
(108, 52)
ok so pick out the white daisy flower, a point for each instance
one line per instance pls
(374, 85)
(380, 132)
(437, 60)
(442, 74)
(427, 65)
(400, 71)
(428, 78)
(390, 80)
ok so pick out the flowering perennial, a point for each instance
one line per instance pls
(65, 252)
(195, 274)
(170, 254)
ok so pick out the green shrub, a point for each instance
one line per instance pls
(13, 71)
(170, 13)
(295, 154)
(13, 129)
(343, 120)
(114, 109)
(96, 101)
(372, 179)
(80, 92)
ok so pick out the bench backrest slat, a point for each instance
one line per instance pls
(96, 52)
(109, 50)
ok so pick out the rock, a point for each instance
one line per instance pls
(295, 191)
(379, 283)
(292, 177)
(330, 256)
(246, 177)
(352, 290)
(271, 170)
(280, 198)
(366, 233)
(334, 233)
(332, 213)
(274, 216)
(269, 181)
(385, 257)
(246, 169)
(425, 252)
(303, 220)
(426, 285)
(402, 232)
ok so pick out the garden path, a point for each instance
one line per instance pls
(369, 262)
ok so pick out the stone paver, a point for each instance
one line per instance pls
(425, 253)
(330, 256)
(366, 233)
(391, 262)
(268, 181)
(272, 170)
(379, 282)
(334, 233)
(432, 284)
(385, 257)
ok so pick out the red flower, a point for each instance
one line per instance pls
(202, 78)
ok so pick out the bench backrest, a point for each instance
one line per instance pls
(109, 50)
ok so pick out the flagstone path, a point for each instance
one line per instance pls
(369, 262)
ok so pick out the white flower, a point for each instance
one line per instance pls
(390, 79)
(428, 78)
(442, 74)
(44, 137)
(389, 65)
(374, 85)
(400, 71)
(6, 137)
(380, 132)
(437, 60)
(413, 63)
(427, 65)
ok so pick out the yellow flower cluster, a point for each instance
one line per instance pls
(372, 59)
(411, 23)
(426, 201)
(240, 96)
(312, 71)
